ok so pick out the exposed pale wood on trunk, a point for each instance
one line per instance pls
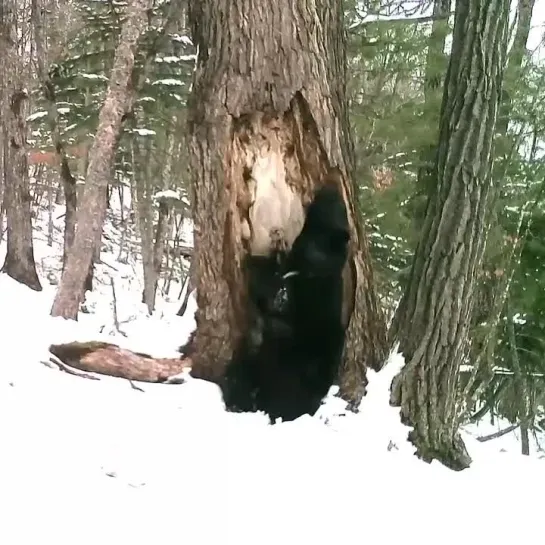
(269, 72)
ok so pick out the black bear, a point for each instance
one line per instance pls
(291, 354)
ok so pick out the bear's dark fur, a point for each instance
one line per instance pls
(291, 354)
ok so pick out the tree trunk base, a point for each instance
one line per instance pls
(109, 359)
(452, 454)
(24, 274)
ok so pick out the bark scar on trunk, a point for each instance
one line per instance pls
(277, 162)
(273, 162)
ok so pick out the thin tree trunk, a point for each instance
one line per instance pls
(433, 318)
(520, 385)
(189, 286)
(434, 77)
(514, 67)
(71, 206)
(2, 173)
(161, 232)
(143, 186)
(19, 263)
(48, 89)
(50, 202)
(92, 210)
(525, 439)
(258, 85)
(124, 225)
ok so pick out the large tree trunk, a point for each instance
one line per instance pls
(92, 210)
(433, 318)
(492, 293)
(19, 263)
(268, 107)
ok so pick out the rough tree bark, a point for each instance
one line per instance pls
(492, 295)
(268, 122)
(19, 262)
(92, 211)
(434, 315)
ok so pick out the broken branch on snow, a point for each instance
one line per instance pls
(109, 359)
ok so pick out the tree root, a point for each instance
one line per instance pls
(109, 359)
(452, 454)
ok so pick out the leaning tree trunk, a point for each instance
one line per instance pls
(92, 210)
(19, 263)
(268, 122)
(433, 319)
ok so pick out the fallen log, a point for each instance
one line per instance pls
(110, 359)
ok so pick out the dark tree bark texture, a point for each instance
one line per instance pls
(92, 211)
(433, 319)
(268, 123)
(19, 262)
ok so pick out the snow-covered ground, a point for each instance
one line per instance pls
(101, 462)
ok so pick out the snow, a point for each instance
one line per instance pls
(184, 39)
(168, 194)
(170, 59)
(101, 77)
(168, 81)
(144, 132)
(36, 115)
(98, 461)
